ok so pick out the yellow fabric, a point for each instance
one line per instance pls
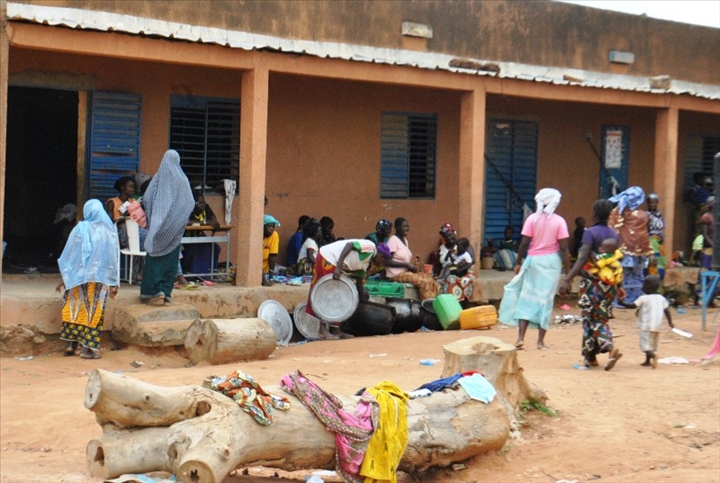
(387, 445)
(607, 268)
(271, 246)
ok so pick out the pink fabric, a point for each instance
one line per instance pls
(715, 349)
(400, 253)
(352, 431)
(545, 234)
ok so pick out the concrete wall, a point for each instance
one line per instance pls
(534, 32)
(324, 157)
(565, 160)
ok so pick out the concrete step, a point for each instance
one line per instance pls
(151, 326)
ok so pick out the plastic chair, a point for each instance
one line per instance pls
(132, 251)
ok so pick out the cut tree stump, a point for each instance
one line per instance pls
(497, 361)
(200, 435)
(151, 326)
(220, 341)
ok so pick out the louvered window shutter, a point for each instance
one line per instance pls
(114, 147)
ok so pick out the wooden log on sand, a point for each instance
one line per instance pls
(201, 435)
(497, 361)
(220, 341)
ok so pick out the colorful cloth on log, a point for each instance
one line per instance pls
(387, 445)
(83, 307)
(352, 431)
(252, 398)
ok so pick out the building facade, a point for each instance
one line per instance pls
(358, 110)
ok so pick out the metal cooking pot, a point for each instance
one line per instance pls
(409, 315)
(370, 318)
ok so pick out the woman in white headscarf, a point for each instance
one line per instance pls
(90, 272)
(168, 203)
(542, 254)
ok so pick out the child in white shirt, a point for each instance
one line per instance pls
(651, 307)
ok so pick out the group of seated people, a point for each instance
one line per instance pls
(199, 258)
(449, 269)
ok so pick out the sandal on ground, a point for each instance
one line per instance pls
(70, 350)
(519, 346)
(208, 283)
(176, 286)
(159, 300)
(90, 355)
(615, 356)
(542, 347)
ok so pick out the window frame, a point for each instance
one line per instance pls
(408, 155)
(215, 154)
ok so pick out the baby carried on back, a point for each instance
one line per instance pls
(605, 264)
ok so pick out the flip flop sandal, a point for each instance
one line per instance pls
(611, 362)
(94, 355)
(208, 283)
(191, 286)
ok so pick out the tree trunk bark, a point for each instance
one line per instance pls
(201, 435)
(220, 341)
(495, 359)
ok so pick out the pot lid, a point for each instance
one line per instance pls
(334, 300)
(273, 312)
(306, 324)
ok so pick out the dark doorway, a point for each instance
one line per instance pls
(40, 176)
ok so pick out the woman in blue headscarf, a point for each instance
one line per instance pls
(90, 271)
(168, 203)
(631, 224)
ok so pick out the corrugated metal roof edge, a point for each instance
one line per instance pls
(106, 21)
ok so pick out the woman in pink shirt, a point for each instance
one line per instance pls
(401, 267)
(543, 253)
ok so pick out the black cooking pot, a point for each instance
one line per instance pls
(409, 315)
(370, 318)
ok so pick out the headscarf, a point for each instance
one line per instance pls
(382, 225)
(168, 204)
(631, 198)
(384, 250)
(447, 228)
(547, 199)
(92, 251)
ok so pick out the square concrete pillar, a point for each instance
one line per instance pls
(665, 170)
(472, 167)
(247, 252)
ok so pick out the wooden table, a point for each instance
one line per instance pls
(221, 235)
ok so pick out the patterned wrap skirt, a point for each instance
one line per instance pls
(82, 314)
(596, 303)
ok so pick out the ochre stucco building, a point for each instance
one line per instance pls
(434, 111)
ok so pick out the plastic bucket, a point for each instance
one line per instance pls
(447, 309)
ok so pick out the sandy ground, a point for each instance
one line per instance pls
(631, 424)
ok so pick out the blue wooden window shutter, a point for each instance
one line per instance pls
(114, 144)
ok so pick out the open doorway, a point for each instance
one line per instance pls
(40, 176)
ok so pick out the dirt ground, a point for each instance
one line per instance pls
(631, 424)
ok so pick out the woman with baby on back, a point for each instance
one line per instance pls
(597, 294)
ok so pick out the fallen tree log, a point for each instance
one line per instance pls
(497, 361)
(220, 341)
(208, 434)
